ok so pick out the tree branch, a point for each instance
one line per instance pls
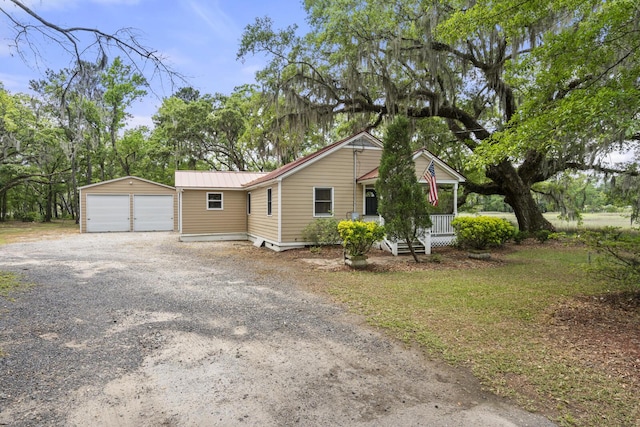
(603, 169)
(125, 40)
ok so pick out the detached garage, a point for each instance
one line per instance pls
(128, 204)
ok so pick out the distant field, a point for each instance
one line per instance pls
(589, 220)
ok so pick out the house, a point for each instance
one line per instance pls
(271, 209)
(213, 205)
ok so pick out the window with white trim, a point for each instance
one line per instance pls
(249, 203)
(323, 201)
(269, 201)
(214, 201)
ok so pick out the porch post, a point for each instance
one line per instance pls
(455, 199)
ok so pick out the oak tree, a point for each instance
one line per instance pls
(527, 88)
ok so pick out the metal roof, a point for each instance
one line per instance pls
(124, 178)
(214, 179)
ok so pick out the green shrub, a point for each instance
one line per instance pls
(322, 232)
(435, 258)
(359, 236)
(559, 235)
(520, 236)
(543, 235)
(30, 217)
(482, 232)
(618, 253)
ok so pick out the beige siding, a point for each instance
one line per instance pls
(336, 171)
(128, 186)
(197, 219)
(259, 223)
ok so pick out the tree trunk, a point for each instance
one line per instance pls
(412, 249)
(527, 212)
(75, 203)
(517, 194)
(3, 206)
(48, 209)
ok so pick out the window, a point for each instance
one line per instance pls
(322, 201)
(248, 203)
(269, 201)
(214, 201)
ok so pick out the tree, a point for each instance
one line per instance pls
(71, 97)
(122, 87)
(15, 122)
(184, 126)
(32, 164)
(527, 89)
(228, 132)
(32, 32)
(403, 203)
(617, 257)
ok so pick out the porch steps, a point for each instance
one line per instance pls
(403, 248)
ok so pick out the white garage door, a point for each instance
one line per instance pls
(152, 213)
(107, 213)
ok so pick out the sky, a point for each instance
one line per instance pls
(199, 38)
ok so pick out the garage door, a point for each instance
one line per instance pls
(152, 213)
(107, 213)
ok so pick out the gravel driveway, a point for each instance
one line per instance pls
(137, 329)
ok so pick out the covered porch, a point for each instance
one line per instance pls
(447, 183)
(440, 234)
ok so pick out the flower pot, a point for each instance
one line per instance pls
(356, 261)
(479, 254)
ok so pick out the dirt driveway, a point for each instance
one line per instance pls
(137, 329)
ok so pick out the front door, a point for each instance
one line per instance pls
(370, 202)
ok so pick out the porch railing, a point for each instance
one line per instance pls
(442, 224)
(440, 234)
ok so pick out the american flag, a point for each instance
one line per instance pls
(430, 176)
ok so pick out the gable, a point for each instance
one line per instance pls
(127, 180)
(444, 173)
(359, 141)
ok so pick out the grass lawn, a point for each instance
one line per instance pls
(16, 231)
(503, 323)
(589, 220)
(8, 281)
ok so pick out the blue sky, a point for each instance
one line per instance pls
(200, 38)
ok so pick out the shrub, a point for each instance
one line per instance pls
(322, 232)
(482, 232)
(435, 258)
(560, 235)
(520, 236)
(359, 236)
(619, 255)
(29, 217)
(543, 235)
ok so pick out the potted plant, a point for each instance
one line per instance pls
(357, 239)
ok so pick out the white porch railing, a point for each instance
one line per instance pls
(440, 234)
(442, 224)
